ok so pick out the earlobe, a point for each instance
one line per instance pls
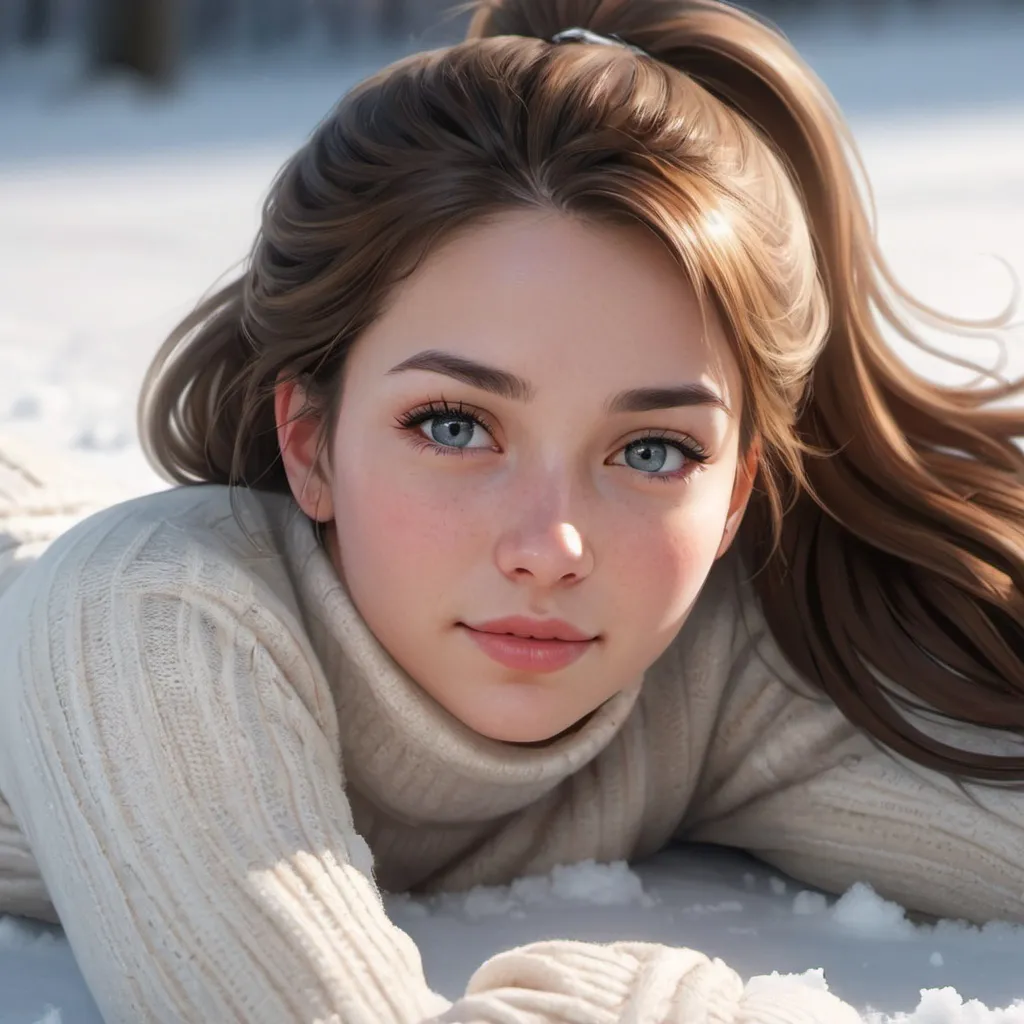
(299, 438)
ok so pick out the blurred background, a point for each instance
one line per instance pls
(157, 38)
(138, 138)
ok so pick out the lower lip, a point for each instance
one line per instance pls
(528, 655)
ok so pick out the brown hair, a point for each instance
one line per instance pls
(889, 517)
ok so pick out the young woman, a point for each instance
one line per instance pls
(548, 492)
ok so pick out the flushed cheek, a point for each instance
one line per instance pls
(411, 529)
(662, 570)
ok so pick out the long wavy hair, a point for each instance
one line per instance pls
(888, 521)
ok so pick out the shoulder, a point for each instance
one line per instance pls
(184, 585)
(200, 540)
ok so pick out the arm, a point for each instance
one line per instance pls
(169, 754)
(792, 781)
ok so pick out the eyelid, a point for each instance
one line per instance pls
(661, 434)
(668, 432)
(443, 407)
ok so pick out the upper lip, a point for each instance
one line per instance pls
(538, 629)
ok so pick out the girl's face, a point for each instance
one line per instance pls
(540, 426)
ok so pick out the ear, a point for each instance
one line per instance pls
(298, 436)
(746, 474)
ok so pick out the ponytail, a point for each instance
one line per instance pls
(896, 579)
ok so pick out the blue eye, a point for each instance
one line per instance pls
(452, 431)
(661, 458)
(449, 429)
(653, 456)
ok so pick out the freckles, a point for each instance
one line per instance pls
(416, 511)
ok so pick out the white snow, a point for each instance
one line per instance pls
(806, 903)
(863, 911)
(859, 946)
(947, 1006)
(118, 210)
(17, 934)
(601, 885)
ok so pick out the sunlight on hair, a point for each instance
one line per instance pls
(717, 225)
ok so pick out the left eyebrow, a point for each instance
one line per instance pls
(510, 386)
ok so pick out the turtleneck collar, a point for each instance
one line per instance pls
(400, 748)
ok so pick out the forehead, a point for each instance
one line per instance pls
(559, 301)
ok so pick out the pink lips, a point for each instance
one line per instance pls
(530, 645)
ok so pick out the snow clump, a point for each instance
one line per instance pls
(946, 1006)
(860, 909)
(602, 885)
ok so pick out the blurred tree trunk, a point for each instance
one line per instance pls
(141, 35)
(37, 22)
(274, 22)
(394, 18)
(212, 23)
(340, 19)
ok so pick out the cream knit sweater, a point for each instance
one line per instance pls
(211, 769)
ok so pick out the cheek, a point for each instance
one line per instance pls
(401, 526)
(665, 562)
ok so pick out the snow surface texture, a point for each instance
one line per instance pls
(118, 210)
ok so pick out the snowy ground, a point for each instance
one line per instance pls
(118, 210)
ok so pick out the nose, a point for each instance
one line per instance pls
(546, 554)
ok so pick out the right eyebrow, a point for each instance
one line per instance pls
(478, 375)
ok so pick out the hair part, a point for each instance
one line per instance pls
(888, 520)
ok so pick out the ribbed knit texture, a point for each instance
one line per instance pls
(210, 768)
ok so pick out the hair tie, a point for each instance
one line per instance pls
(585, 35)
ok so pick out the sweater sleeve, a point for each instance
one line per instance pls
(167, 751)
(791, 780)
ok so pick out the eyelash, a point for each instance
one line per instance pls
(693, 452)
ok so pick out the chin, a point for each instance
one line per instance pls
(528, 734)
